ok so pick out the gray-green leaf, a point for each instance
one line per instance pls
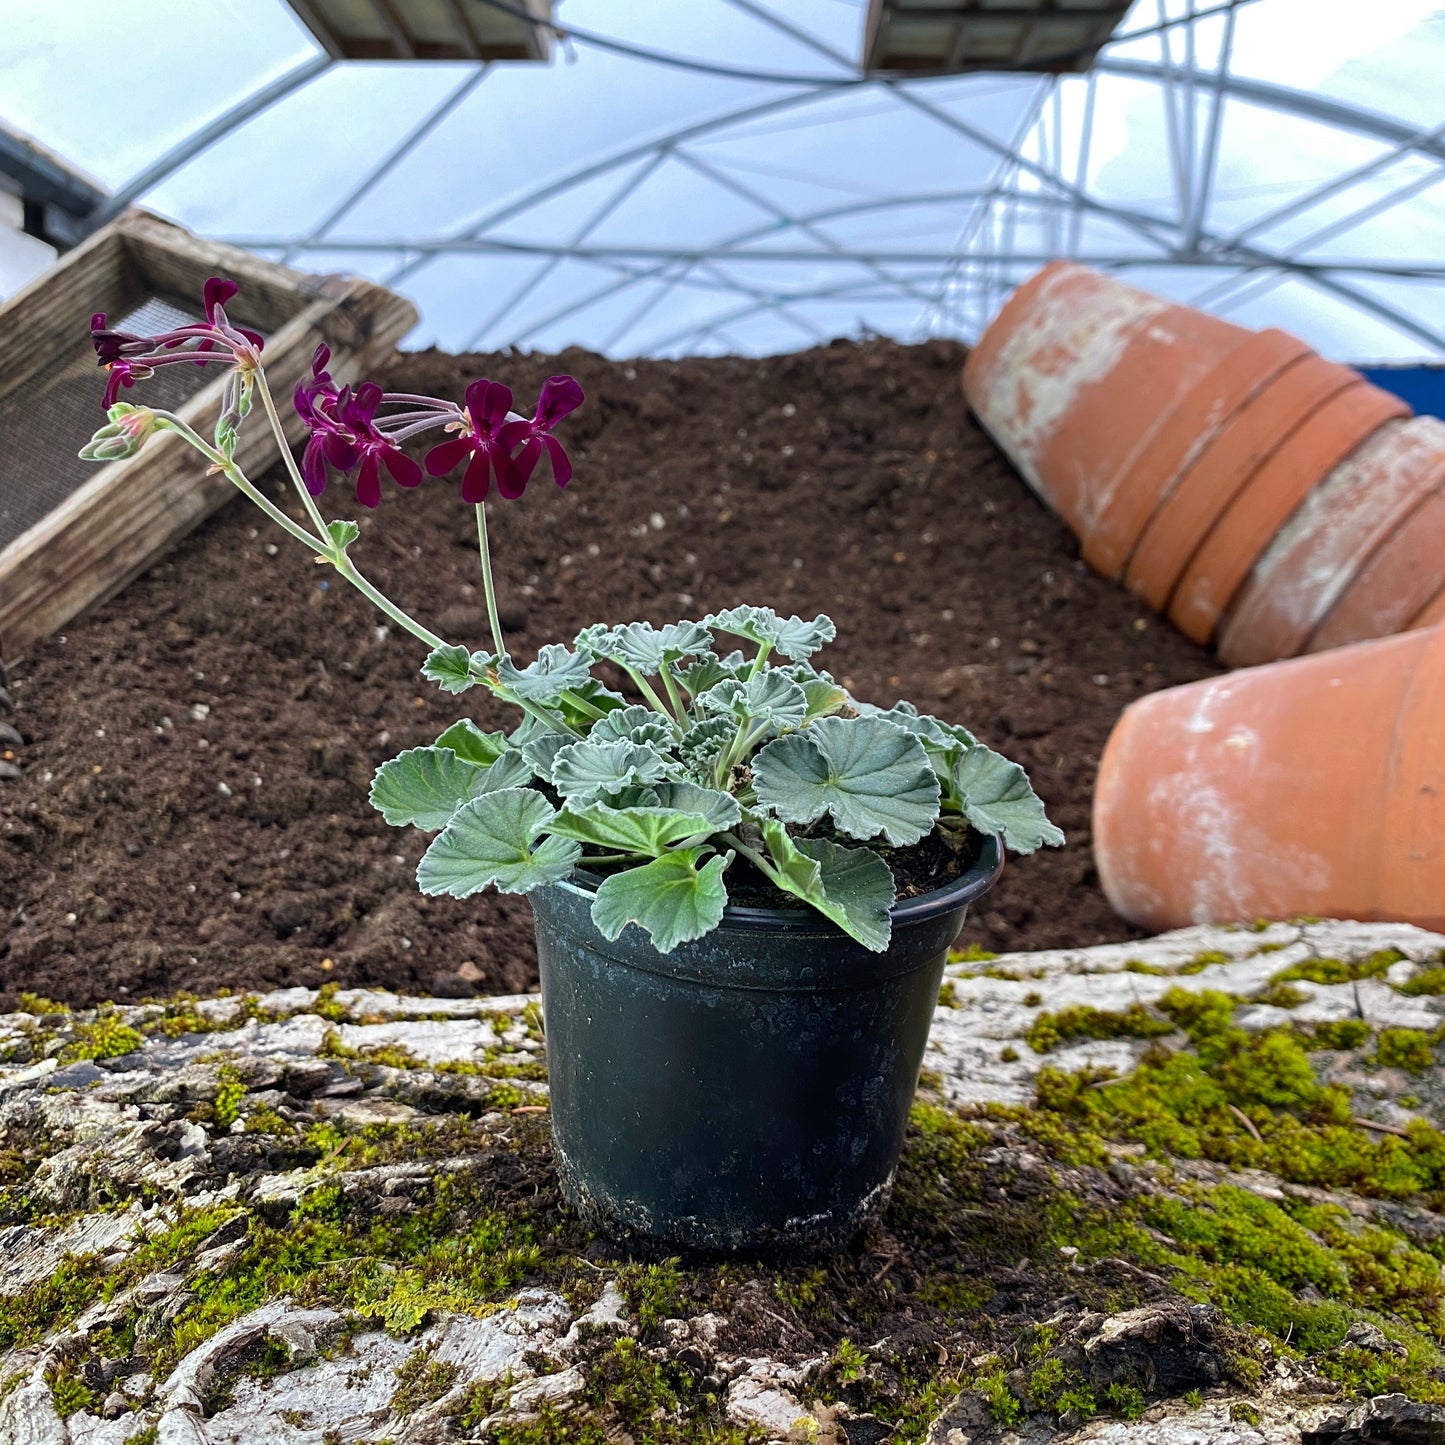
(647, 648)
(996, 798)
(792, 636)
(871, 776)
(669, 898)
(424, 787)
(342, 534)
(493, 839)
(471, 744)
(556, 670)
(646, 831)
(586, 770)
(449, 667)
(633, 724)
(852, 886)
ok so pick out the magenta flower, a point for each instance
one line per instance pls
(330, 439)
(560, 395)
(488, 407)
(357, 412)
(130, 358)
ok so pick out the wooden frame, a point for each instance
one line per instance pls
(113, 525)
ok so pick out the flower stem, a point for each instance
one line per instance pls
(233, 473)
(347, 568)
(582, 705)
(271, 415)
(486, 557)
(764, 648)
(756, 859)
(650, 693)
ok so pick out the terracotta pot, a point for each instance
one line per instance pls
(1396, 585)
(1262, 508)
(1202, 495)
(1433, 612)
(1317, 555)
(1311, 786)
(1129, 501)
(1076, 373)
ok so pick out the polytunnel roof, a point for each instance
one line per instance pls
(719, 176)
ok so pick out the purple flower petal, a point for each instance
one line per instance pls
(511, 481)
(218, 290)
(358, 411)
(525, 462)
(405, 472)
(368, 482)
(339, 450)
(313, 467)
(488, 402)
(477, 478)
(561, 466)
(559, 396)
(445, 455)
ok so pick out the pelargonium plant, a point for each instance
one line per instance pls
(722, 752)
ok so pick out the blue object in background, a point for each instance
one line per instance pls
(1422, 386)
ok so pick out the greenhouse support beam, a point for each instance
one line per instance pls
(187, 150)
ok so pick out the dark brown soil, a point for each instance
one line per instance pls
(192, 810)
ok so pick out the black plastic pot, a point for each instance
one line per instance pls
(748, 1089)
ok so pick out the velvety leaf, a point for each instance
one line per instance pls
(648, 831)
(852, 886)
(707, 672)
(556, 670)
(670, 898)
(585, 770)
(869, 775)
(791, 636)
(721, 810)
(493, 840)
(770, 698)
(541, 752)
(996, 798)
(424, 787)
(449, 667)
(593, 692)
(342, 534)
(471, 744)
(647, 648)
(633, 724)
(701, 746)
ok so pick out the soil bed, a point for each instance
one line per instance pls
(192, 810)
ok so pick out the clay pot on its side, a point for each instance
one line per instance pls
(1077, 373)
(1311, 786)
(1252, 520)
(1321, 550)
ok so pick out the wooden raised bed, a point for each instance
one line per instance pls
(71, 532)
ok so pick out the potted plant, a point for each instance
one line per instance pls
(745, 880)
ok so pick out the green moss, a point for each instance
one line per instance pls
(1008, 1054)
(40, 1006)
(146, 1436)
(801, 1294)
(654, 1292)
(1077, 1402)
(421, 1379)
(1336, 971)
(1410, 1049)
(1204, 960)
(1192, 1398)
(1428, 981)
(1137, 965)
(1340, 1034)
(1002, 1403)
(551, 1427)
(972, 954)
(948, 995)
(68, 1393)
(1244, 1412)
(104, 1037)
(1282, 995)
(1049, 1030)
(849, 1363)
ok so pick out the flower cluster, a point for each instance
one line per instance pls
(129, 358)
(359, 429)
(347, 433)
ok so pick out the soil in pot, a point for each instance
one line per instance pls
(846, 479)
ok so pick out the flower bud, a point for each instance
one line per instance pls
(122, 436)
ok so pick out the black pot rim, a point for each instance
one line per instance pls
(972, 883)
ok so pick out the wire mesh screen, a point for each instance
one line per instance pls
(45, 422)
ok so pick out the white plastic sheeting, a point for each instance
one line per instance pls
(1274, 160)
